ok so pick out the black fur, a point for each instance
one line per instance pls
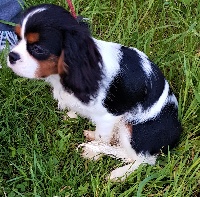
(159, 134)
(84, 64)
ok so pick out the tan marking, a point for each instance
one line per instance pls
(115, 141)
(18, 30)
(32, 37)
(129, 128)
(62, 66)
(47, 67)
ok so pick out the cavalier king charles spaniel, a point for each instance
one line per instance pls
(118, 88)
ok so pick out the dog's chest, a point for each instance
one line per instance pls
(66, 100)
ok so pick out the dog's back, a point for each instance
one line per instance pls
(142, 95)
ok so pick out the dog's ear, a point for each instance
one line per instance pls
(83, 63)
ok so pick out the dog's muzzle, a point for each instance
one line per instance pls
(13, 57)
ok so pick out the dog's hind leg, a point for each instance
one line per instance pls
(94, 149)
(121, 173)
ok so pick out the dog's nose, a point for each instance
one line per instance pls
(13, 57)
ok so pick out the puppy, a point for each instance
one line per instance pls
(118, 88)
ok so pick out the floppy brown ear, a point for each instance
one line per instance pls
(83, 68)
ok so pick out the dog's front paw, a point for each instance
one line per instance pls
(89, 135)
(72, 114)
(90, 151)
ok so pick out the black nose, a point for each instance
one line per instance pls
(13, 57)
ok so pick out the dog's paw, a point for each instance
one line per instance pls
(72, 114)
(89, 135)
(90, 151)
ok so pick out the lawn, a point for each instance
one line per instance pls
(38, 155)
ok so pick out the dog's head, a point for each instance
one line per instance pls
(53, 42)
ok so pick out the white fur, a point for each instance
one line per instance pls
(145, 63)
(111, 56)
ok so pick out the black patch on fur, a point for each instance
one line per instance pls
(131, 86)
(158, 134)
(58, 31)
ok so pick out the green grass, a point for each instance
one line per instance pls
(38, 154)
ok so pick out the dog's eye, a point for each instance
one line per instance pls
(38, 52)
(37, 49)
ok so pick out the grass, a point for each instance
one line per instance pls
(38, 154)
